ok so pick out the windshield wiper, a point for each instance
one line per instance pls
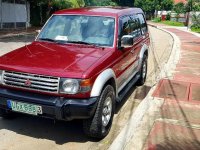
(81, 42)
(47, 39)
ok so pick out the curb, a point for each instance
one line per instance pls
(18, 34)
(133, 127)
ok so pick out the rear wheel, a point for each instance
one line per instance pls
(99, 126)
(143, 72)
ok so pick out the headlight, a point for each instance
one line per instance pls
(69, 86)
(1, 76)
(74, 86)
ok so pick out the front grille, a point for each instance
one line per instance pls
(31, 81)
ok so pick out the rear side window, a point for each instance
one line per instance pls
(142, 23)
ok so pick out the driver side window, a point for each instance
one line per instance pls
(129, 25)
(125, 28)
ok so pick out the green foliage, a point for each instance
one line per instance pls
(146, 5)
(100, 3)
(193, 5)
(166, 4)
(168, 17)
(179, 8)
(194, 29)
(63, 4)
(157, 19)
(196, 21)
(152, 5)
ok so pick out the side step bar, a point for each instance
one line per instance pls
(127, 88)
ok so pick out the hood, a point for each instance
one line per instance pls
(63, 60)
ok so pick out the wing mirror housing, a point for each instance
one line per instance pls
(38, 31)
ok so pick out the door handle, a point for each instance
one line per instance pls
(132, 51)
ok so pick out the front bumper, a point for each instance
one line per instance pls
(54, 107)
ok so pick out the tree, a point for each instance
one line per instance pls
(166, 4)
(179, 8)
(148, 6)
(100, 3)
(44, 8)
(193, 5)
(129, 3)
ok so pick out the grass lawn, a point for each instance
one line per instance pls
(197, 30)
(173, 23)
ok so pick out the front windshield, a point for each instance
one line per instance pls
(80, 29)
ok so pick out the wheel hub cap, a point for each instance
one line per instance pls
(107, 111)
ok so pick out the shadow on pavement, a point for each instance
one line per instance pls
(139, 93)
(61, 132)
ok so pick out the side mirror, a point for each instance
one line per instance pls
(127, 41)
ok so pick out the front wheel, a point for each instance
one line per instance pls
(143, 72)
(99, 126)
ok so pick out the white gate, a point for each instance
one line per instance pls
(14, 15)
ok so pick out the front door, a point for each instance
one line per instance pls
(126, 67)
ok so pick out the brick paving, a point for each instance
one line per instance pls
(178, 124)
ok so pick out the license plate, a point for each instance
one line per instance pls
(24, 107)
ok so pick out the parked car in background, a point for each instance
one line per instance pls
(82, 62)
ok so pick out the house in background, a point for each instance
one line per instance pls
(180, 1)
(14, 14)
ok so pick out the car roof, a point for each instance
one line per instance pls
(100, 11)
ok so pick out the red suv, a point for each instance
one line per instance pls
(82, 62)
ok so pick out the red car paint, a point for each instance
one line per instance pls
(75, 60)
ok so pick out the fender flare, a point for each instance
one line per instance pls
(141, 54)
(101, 81)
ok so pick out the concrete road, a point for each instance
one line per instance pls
(27, 132)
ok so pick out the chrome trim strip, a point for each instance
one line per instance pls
(33, 82)
(30, 76)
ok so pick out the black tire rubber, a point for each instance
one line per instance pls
(6, 115)
(93, 127)
(142, 79)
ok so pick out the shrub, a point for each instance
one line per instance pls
(168, 17)
(157, 19)
(195, 21)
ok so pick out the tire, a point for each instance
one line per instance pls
(142, 72)
(6, 115)
(99, 125)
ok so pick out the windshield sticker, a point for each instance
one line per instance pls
(63, 38)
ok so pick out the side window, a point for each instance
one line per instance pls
(142, 23)
(135, 26)
(129, 25)
(125, 26)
